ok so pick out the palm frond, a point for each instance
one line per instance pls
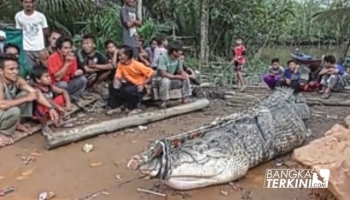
(339, 14)
(68, 9)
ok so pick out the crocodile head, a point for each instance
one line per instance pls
(147, 162)
(188, 167)
(297, 100)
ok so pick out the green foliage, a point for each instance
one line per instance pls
(104, 25)
(151, 28)
(258, 22)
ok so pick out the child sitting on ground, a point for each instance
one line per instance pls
(57, 97)
(313, 83)
(291, 77)
(274, 73)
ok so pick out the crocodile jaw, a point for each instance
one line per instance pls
(150, 168)
(190, 176)
(189, 183)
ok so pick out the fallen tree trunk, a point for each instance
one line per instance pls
(327, 102)
(79, 133)
(243, 99)
(264, 87)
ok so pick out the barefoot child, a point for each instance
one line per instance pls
(55, 95)
(238, 60)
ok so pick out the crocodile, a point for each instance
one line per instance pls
(225, 149)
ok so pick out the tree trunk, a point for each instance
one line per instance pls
(272, 29)
(346, 49)
(204, 42)
(139, 9)
(79, 133)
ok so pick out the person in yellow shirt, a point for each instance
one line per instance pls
(128, 86)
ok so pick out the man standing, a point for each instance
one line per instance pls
(33, 25)
(63, 69)
(129, 23)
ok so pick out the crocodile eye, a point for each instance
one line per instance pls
(214, 142)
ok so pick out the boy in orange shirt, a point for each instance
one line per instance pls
(129, 83)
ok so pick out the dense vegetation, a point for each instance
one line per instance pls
(259, 22)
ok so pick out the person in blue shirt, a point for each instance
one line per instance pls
(332, 77)
(291, 77)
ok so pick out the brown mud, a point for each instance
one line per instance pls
(71, 173)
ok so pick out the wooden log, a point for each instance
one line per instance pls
(263, 88)
(327, 102)
(311, 101)
(79, 133)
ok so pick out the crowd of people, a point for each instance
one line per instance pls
(56, 76)
(325, 78)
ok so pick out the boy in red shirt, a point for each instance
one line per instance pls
(239, 52)
(56, 96)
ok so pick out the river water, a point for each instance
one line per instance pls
(283, 53)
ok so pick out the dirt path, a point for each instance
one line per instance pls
(68, 173)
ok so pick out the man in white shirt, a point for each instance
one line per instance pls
(33, 25)
(2, 40)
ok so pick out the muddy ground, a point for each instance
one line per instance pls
(71, 173)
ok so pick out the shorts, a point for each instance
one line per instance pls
(135, 53)
(41, 111)
(32, 58)
(237, 67)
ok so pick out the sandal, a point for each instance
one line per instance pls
(163, 105)
(65, 124)
(135, 112)
(321, 91)
(114, 111)
(242, 89)
(326, 96)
